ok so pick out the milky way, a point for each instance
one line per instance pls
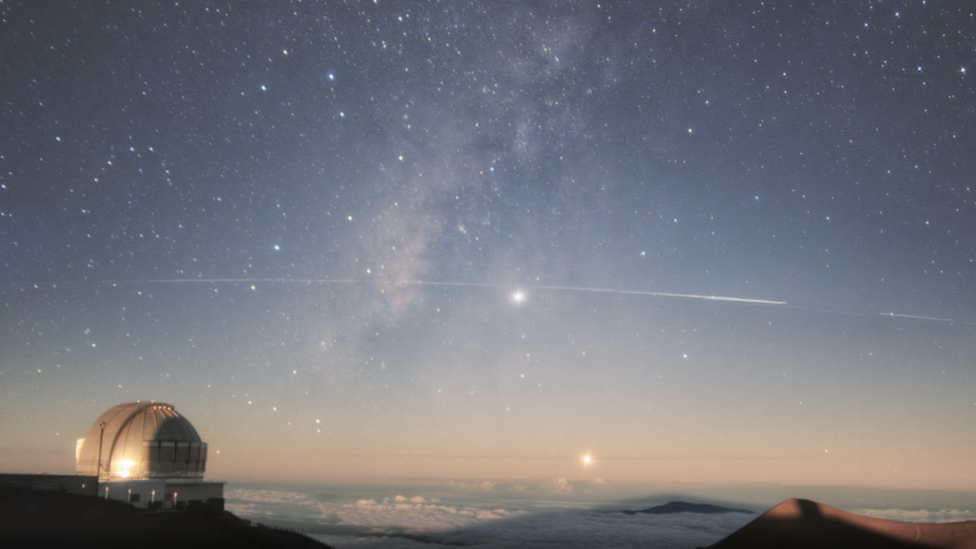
(720, 241)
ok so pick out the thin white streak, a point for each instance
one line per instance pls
(916, 317)
(539, 287)
(239, 281)
(660, 294)
(457, 284)
(460, 457)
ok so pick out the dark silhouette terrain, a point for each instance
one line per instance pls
(804, 524)
(49, 519)
(35, 518)
(685, 507)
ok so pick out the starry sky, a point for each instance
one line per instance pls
(699, 241)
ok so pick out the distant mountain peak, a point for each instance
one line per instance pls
(685, 507)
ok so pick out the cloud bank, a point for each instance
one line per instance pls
(920, 515)
(410, 520)
(487, 514)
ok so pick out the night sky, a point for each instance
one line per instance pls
(354, 240)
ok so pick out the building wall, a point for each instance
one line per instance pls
(184, 494)
(135, 492)
(167, 493)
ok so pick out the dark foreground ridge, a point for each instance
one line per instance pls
(804, 524)
(34, 518)
(685, 507)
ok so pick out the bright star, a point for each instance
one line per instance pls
(518, 297)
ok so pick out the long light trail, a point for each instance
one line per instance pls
(440, 283)
(520, 291)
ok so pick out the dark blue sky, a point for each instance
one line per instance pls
(289, 212)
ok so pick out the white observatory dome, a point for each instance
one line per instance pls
(142, 440)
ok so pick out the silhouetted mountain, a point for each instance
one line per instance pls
(34, 518)
(804, 524)
(685, 507)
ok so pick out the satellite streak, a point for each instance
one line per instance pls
(311, 281)
(916, 317)
(439, 283)
(659, 294)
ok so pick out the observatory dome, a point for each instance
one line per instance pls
(141, 440)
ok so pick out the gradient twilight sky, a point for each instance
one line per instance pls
(304, 224)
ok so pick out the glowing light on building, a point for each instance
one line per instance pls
(123, 467)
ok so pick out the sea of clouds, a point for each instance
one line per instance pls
(463, 514)
(499, 515)
(920, 515)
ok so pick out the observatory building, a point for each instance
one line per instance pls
(147, 454)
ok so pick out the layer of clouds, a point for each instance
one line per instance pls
(410, 520)
(920, 515)
(578, 528)
(500, 515)
(419, 515)
(397, 514)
